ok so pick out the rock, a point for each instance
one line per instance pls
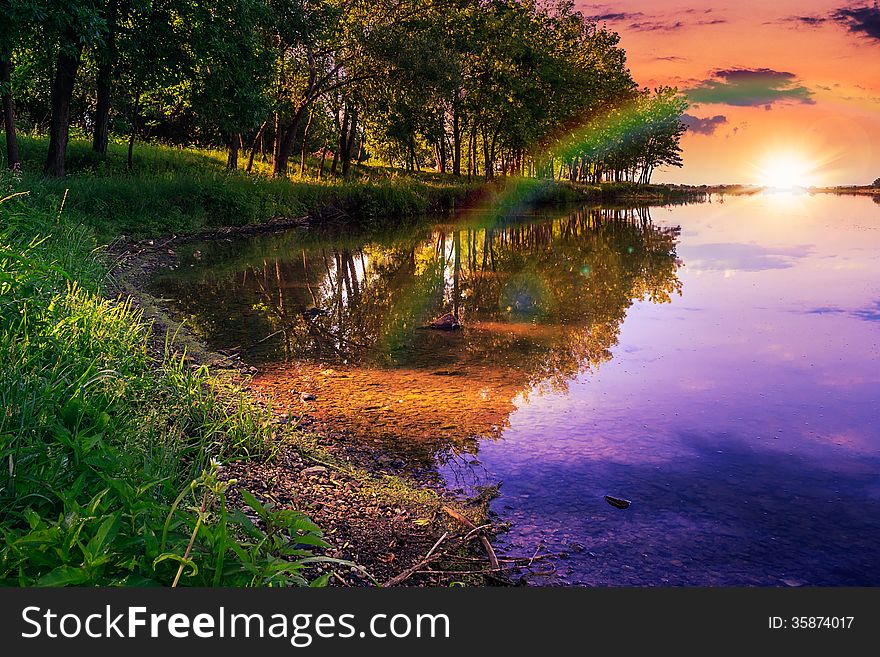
(790, 581)
(447, 322)
(307, 396)
(617, 502)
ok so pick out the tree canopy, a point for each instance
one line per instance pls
(469, 87)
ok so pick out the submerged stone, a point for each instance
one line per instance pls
(617, 502)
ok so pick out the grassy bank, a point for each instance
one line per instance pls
(108, 475)
(174, 190)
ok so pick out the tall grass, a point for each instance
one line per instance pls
(108, 453)
(173, 190)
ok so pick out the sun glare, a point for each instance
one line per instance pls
(785, 171)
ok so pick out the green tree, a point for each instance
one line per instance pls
(71, 26)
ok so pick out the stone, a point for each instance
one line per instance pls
(617, 502)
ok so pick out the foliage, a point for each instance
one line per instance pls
(476, 87)
(108, 476)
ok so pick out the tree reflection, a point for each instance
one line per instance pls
(540, 302)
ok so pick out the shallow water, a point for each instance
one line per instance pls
(716, 364)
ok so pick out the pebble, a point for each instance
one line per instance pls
(617, 502)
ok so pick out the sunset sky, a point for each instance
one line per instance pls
(785, 91)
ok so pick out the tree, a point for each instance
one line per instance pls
(232, 69)
(16, 15)
(106, 56)
(483, 87)
(72, 26)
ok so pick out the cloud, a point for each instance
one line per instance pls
(750, 87)
(863, 20)
(642, 22)
(706, 126)
(870, 314)
(860, 20)
(671, 58)
(808, 20)
(615, 16)
(654, 25)
(737, 256)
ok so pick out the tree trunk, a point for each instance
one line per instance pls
(59, 127)
(302, 155)
(472, 152)
(134, 122)
(258, 139)
(343, 137)
(486, 158)
(13, 159)
(106, 59)
(456, 142)
(276, 145)
(349, 144)
(101, 134)
(285, 146)
(323, 159)
(232, 159)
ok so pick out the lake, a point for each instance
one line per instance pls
(716, 364)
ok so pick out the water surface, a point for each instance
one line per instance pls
(716, 364)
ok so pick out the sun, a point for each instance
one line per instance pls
(785, 171)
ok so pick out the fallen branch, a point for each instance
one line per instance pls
(490, 552)
(409, 572)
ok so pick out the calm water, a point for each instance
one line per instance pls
(716, 364)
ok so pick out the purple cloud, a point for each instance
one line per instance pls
(616, 16)
(860, 20)
(704, 126)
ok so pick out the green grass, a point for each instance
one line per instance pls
(108, 450)
(175, 190)
(185, 190)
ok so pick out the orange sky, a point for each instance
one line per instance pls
(785, 84)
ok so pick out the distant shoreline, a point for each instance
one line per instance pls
(867, 190)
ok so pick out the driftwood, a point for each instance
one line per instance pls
(490, 552)
(409, 572)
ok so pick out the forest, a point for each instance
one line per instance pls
(476, 88)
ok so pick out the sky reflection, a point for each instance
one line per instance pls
(742, 419)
